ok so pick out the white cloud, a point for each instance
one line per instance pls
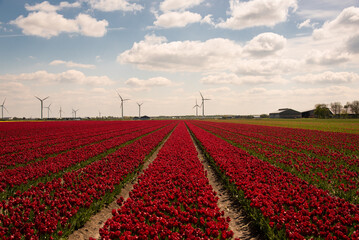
(50, 24)
(265, 67)
(346, 23)
(257, 13)
(352, 44)
(90, 27)
(71, 64)
(328, 77)
(155, 53)
(318, 14)
(177, 19)
(114, 5)
(265, 44)
(306, 24)
(172, 5)
(47, 7)
(328, 57)
(70, 76)
(151, 82)
(231, 78)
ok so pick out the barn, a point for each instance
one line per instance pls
(285, 113)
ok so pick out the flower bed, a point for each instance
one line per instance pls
(283, 205)
(173, 199)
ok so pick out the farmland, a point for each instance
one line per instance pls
(291, 183)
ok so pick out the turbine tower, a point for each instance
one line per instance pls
(42, 103)
(196, 106)
(139, 109)
(60, 111)
(122, 100)
(74, 112)
(2, 109)
(48, 111)
(202, 105)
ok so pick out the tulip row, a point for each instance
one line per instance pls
(21, 178)
(37, 134)
(335, 172)
(173, 199)
(64, 141)
(56, 208)
(283, 205)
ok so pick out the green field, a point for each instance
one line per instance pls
(332, 125)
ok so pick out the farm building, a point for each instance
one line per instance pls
(308, 114)
(285, 113)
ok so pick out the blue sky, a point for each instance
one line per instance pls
(248, 57)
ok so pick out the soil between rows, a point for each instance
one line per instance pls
(239, 224)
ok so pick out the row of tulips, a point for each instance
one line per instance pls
(337, 141)
(328, 173)
(340, 147)
(283, 205)
(52, 210)
(172, 200)
(63, 141)
(37, 134)
(21, 178)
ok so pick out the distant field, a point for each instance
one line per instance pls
(332, 125)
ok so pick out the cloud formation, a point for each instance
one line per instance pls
(328, 78)
(155, 53)
(70, 76)
(265, 44)
(257, 13)
(44, 21)
(114, 5)
(71, 64)
(174, 5)
(151, 82)
(47, 7)
(177, 19)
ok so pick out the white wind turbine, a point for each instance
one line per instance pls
(74, 112)
(2, 109)
(60, 111)
(139, 109)
(42, 103)
(48, 111)
(196, 106)
(202, 105)
(122, 100)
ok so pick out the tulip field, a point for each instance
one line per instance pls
(292, 183)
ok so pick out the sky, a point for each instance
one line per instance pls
(247, 57)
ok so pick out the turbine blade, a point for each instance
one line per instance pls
(45, 98)
(38, 98)
(3, 102)
(201, 94)
(5, 108)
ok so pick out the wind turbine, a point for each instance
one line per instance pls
(48, 111)
(75, 111)
(99, 114)
(202, 105)
(139, 109)
(2, 109)
(122, 100)
(60, 111)
(196, 106)
(42, 101)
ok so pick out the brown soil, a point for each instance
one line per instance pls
(239, 224)
(92, 226)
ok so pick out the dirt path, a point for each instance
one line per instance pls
(92, 226)
(239, 224)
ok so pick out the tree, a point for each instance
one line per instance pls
(354, 107)
(321, 111)
(336, 108)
